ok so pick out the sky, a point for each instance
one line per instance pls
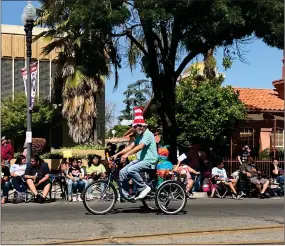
(264, 63)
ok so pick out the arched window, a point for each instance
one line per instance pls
(279, 139)
(247, 137)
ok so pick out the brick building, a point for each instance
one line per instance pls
(13, 58)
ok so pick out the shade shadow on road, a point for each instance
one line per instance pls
(135, 210)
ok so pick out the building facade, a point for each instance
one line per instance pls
(13, 59)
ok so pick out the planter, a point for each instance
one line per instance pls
(82, 152)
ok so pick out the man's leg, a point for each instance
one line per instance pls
(265, 183)
(32, 186)
(46, 189)
(124, 178)
(134, 172)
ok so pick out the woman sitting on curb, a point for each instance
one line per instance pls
(74, 182)
(17, 172)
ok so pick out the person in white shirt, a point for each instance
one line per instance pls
(219, 175)
(17, 172)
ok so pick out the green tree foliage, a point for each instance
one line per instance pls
(137, 94)
(120, 131)
(81, 32)
(205, 109)
(14, 116)
(163, 36)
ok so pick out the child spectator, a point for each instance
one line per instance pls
(95, 171)
(17, 174)
(75, 182)
(5, 183)
(184, 169)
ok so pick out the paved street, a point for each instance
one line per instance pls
(60, 221)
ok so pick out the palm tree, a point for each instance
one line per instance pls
(86, 53)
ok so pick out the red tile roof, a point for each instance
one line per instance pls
(260, 99)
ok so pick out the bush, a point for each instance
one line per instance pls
(38, 145)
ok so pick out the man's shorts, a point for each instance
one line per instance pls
(42, 185)
(257, 181)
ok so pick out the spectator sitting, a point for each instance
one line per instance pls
(75, 182)
(219, 175)
(64, 165)
(5, 183)
(250, 170)
(17, 172)
(83, 172)
(95, 170)
(183, 169)
(37, 176)
(276, 172)
(7, 151)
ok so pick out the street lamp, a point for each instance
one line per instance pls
(113, 133)
(28, 16)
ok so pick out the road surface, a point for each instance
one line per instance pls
(205, 221)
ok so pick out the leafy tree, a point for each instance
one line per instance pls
(120, 131)
(163, 36)
(206, 110)
(86, 51)
(14, 117)
(137, 94)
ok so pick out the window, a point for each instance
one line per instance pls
(279, 139)
(44, 79)
(6, 78)
(18, 77)
(247, 137)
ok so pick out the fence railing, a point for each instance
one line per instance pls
(232, 165)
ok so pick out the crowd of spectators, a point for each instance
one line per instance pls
(206, 175)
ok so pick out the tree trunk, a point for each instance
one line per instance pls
(165, 95)
(95, 133)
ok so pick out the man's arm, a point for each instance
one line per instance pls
(125, 150)
(45, 178)
(135, 149)
(28, 174)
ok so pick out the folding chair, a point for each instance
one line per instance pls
(58, 188)
(245, 185)
(221, 190)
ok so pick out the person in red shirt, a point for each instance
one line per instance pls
(7, 151)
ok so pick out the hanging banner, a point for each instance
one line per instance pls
(34, 72)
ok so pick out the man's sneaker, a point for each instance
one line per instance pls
(241, 194)
(79, 199)
(74, 198)
(261, 195)
(43, 200)
(144, 192)
(190, 195)
(234, 196)
(38, 198)
(266, 195)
